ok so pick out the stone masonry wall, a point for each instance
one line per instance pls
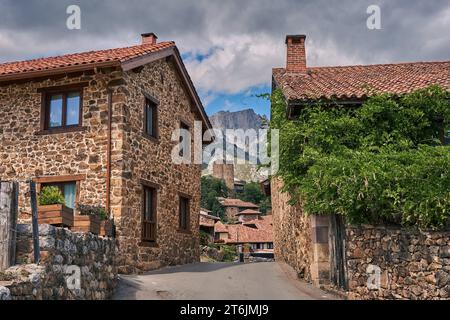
(61, 251)
(292, 232)
(150, 160)
(26, 153)
(413, 264)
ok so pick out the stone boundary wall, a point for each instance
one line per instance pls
(412, 264)
(64, 256)
(292, 233)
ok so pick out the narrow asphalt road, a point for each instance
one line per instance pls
(219, 281)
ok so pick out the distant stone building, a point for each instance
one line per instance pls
(257, 233)
(207, 222)
(248, 215)
(99, 126)
(225, 172)
(233, 207)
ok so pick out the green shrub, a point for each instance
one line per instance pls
(50, 196)
(230, 254)
(97, 211)
(380, 163)
(204, 238)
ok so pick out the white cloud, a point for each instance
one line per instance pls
(238, 63)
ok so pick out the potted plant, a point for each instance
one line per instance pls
(93, 219)
(106, 224)
(52, 209)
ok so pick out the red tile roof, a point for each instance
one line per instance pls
(238, 203)
(241, 233)
(359, 82)
(220, 228)
(78, 59)
(248, 212)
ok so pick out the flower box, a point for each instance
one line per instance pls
(56, 215)
(106, 228)
(86, 224)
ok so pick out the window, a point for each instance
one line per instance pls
(63, 110)
(151, 118)
(149, 215)
(68, 189)
(270, 246)
(184, 213)
(185, 140)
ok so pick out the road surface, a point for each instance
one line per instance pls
(219, 281)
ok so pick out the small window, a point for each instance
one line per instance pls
(63, 110)
(149, 215)
(184, 213)
(69, 191)
(185, 139)
(151, 119)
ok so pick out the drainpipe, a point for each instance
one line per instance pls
(108, 154)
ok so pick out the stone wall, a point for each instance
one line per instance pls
(150, 160)
(26, 152)
(62, 254)
(225, 172)
(413, 264)
(292, 232)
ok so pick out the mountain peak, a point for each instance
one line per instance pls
(243, 119)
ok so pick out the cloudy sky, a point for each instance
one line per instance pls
(231, 46)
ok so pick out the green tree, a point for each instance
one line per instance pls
(253, 193)
(211, 189)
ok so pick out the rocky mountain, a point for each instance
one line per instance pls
(245, 119)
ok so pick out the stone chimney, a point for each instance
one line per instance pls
(149, 38)
(296, 53)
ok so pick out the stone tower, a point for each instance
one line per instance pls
(225, 172)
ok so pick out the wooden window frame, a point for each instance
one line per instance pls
(155, 102)
(146, 185)
(183, 196)
(185, 125)
(62, 179)
(46, 94)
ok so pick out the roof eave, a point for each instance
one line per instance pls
(30, 75)
(172, 51)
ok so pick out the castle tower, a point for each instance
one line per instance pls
(225, 172)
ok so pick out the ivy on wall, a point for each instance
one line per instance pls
(381, 163)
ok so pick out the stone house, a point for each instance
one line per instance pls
(207, 222)
(233, 207)
(99, 125)
(308, 243)
(257, 233)
(248, 215)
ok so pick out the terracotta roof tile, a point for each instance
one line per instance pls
(238, 203)
(358, 82)
(248, 212)
(220, 227)
(242, 233)
(84, 58)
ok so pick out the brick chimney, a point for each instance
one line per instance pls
(296, 53)
(149, 38)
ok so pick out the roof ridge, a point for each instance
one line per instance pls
(66, 55)
(366, 65)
